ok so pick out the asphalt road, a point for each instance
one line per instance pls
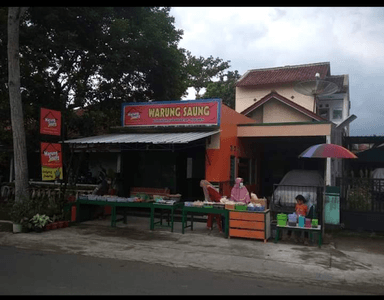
(27, 272)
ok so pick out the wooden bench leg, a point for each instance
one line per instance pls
(113, 216)
(172, 220)
(183, 222)
(191, 221)
(125, 215)
(277, 235)
(152, 221)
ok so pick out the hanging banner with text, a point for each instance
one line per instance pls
(192, 112)
(51, 161)
(50, 122)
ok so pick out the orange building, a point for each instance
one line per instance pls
(223, 165)
(174, 144)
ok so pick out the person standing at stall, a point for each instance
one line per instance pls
(101, 189)
(239, 192)
(211, 194)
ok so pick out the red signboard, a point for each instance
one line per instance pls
(192, 112)
(50, 121)
(51, 155)
(51, 161)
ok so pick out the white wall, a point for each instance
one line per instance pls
(245, 95)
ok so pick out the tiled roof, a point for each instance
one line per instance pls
(284, 74)
(274, 95)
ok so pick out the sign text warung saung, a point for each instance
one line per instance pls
(194, 112)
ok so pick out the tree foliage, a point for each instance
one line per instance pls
(225, 88)
(96, 58)
(202, 70)
(103, 54)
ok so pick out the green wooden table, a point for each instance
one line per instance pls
(204, 210)
(80, 202)
(301, 229)
(113, 205)
(125, 205)
(171, 209)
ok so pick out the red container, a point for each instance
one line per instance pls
(73, 213)
(107, 210)
(308, 223)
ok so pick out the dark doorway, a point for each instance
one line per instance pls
(180, 170)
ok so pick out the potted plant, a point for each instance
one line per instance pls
(48, 226)
(55, 222)
(17, 227)
(39, 222)
(60, 224)
(60, 220)
(53, 225)
(19, 213)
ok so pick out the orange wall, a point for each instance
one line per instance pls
(217, 165)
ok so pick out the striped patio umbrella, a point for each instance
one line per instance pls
(327, 150)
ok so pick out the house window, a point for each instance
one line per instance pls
(324, 112)
(337, 113)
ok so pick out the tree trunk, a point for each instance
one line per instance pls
(19, 140)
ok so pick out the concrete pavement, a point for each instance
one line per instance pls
(201, 248)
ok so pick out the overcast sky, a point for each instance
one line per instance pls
(350, 38)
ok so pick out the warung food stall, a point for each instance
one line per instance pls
(168, 147)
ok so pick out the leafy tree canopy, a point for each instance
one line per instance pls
(225, 88)
(201, 71)
(103, 54)
(77, 56)
(98, 57)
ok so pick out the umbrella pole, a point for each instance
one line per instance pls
(325, 187)
(327, 164)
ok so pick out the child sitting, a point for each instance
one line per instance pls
(301, 210)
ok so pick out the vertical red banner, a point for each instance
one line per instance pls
(51, 161)
(50, 122)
